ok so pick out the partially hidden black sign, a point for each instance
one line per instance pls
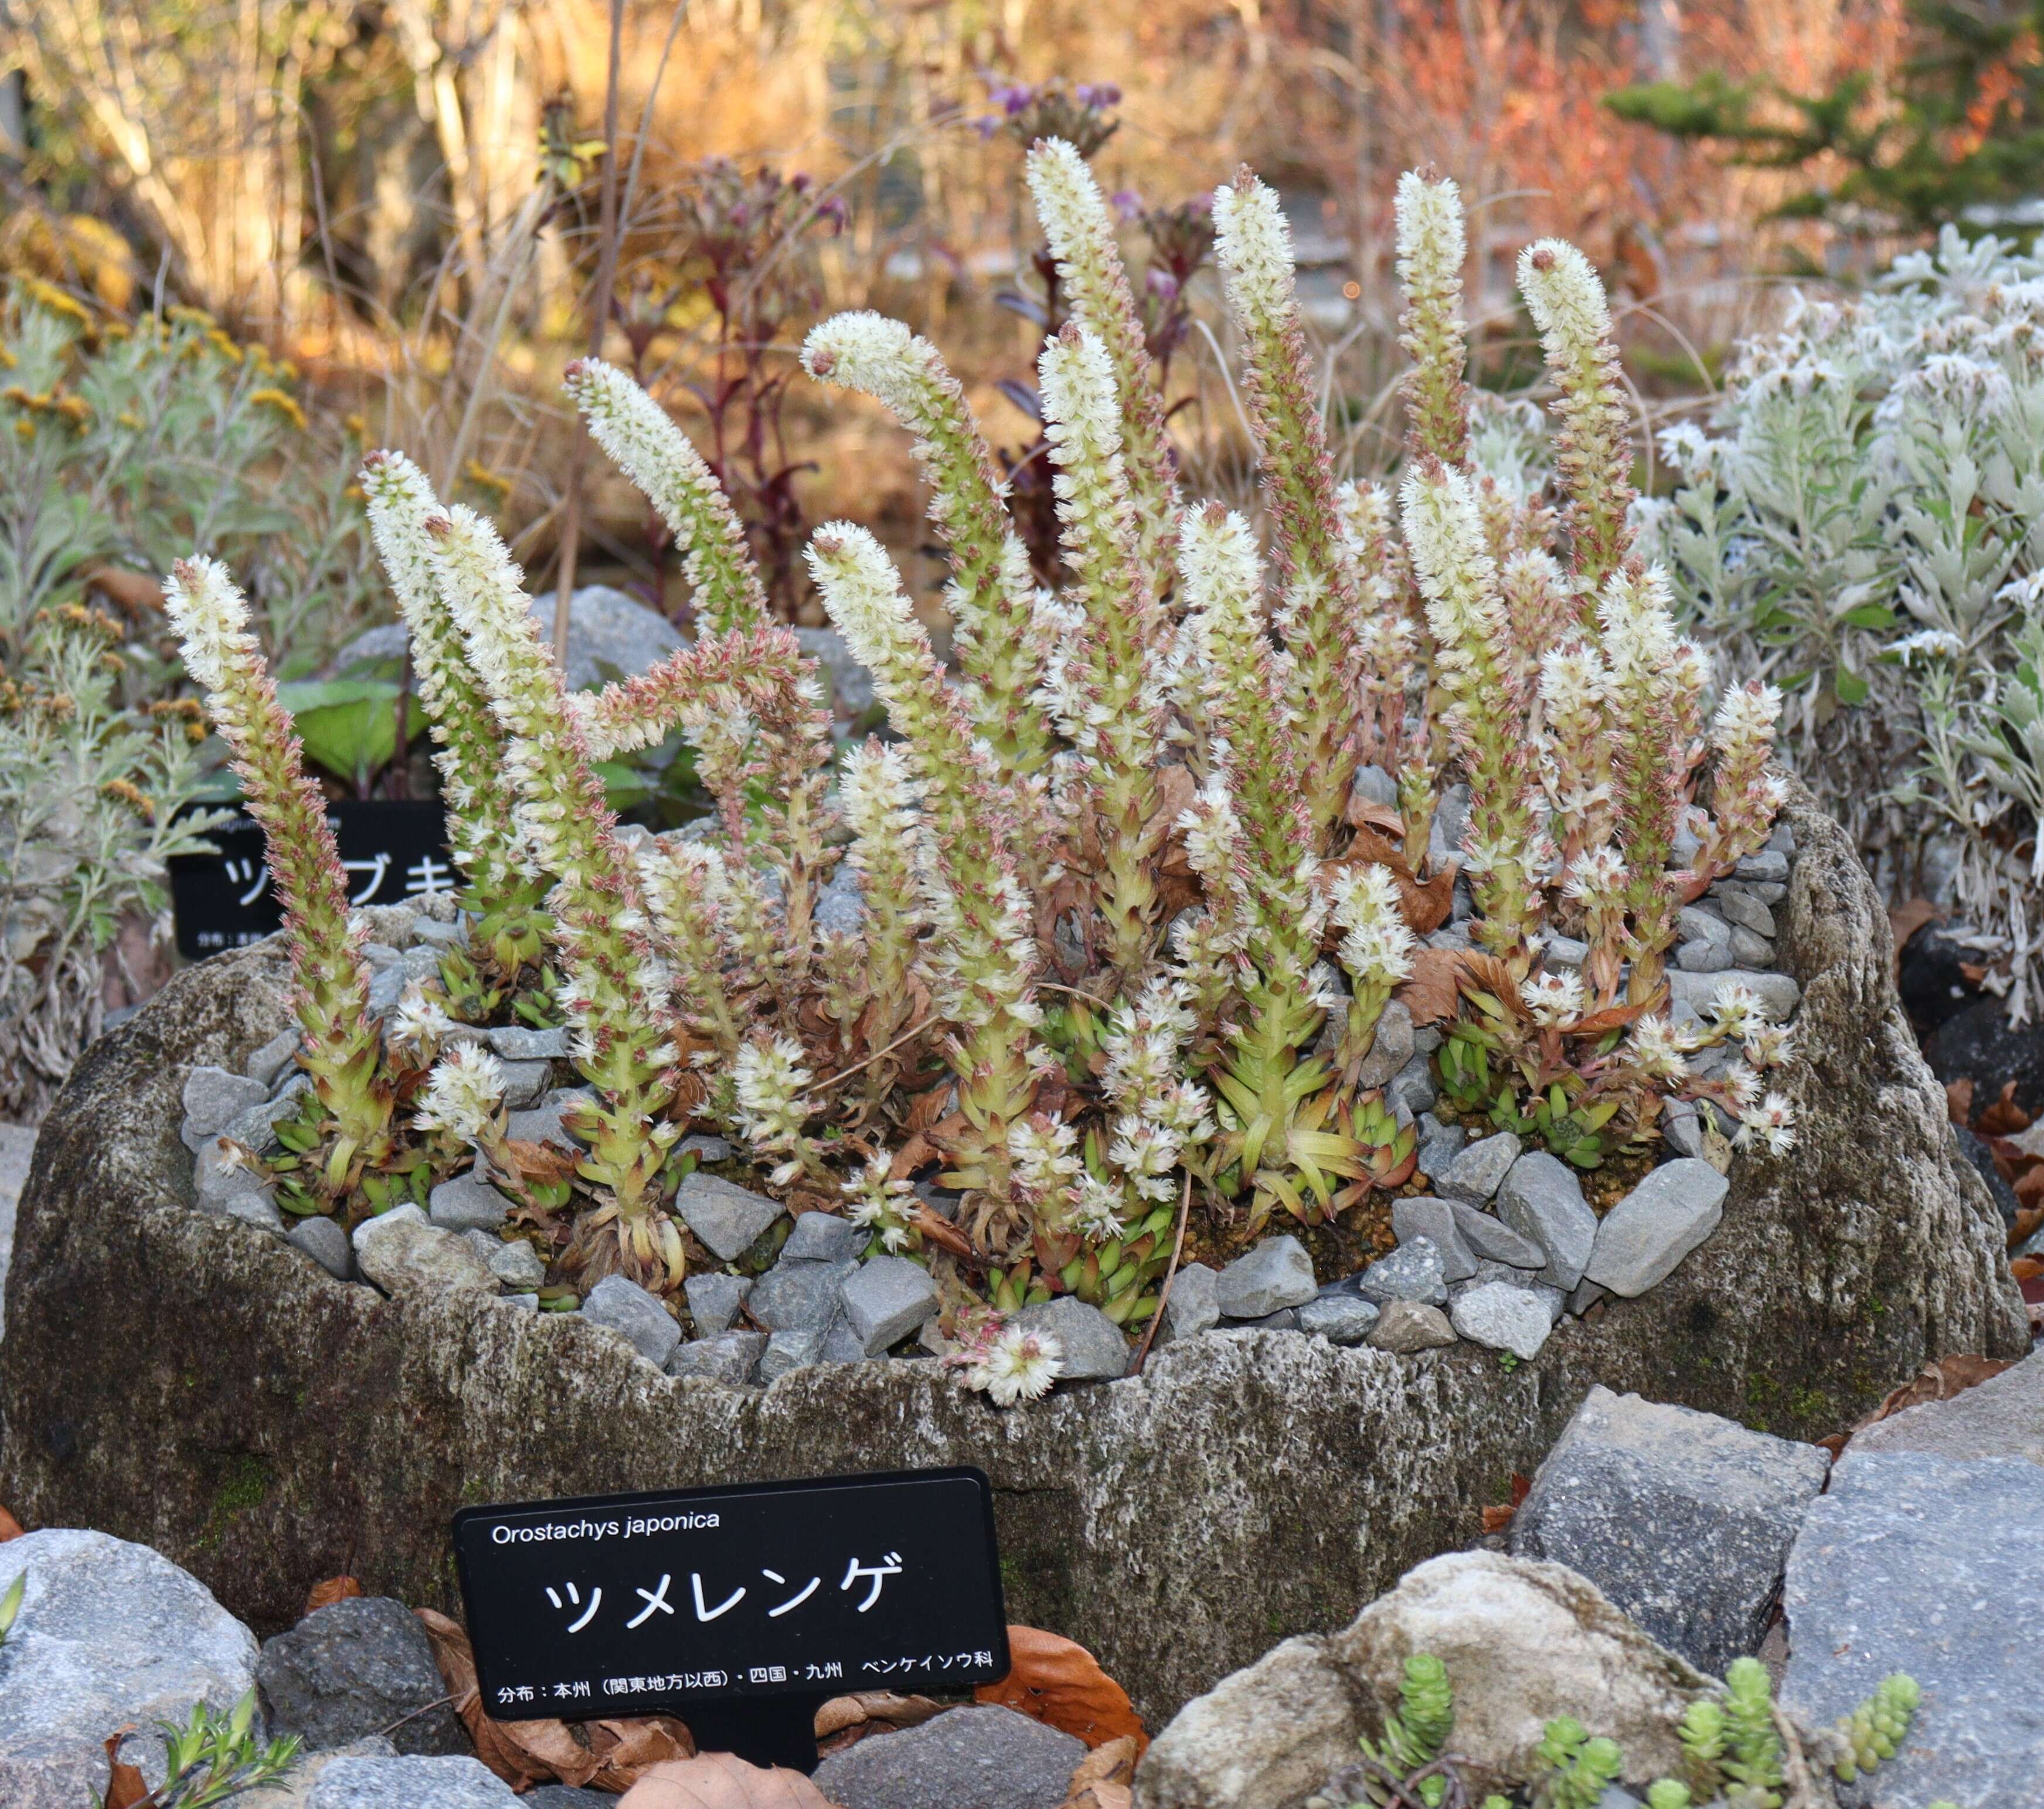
(637, 1604)
(393, 850)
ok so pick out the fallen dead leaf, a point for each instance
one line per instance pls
(11, 1528)
(334, 1589)
(134, 591)
(1423, 905)
(1433, 994)
(1057, 1681)
(1497, 1520)
(1959, 1101)
(2004, 1117)
(125, 1785)
(1936, 1381)
(2026, 1269)
(1905, 920)
(717, 1781)
(1104, 1776)
(845, 1720)
(610, 1755)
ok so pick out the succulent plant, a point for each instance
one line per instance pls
(1130, 922)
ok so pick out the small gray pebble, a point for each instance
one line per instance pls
(324, 1240)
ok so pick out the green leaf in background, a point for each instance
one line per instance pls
(1850, 688)
(348, 725)
(1876, 616)
(625, 784)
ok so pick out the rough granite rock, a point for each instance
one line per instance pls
(213, 1098)
(1409, 1327)
(726, 1356)
(1502, 1317)
(727, 1217)
(1640, 1241)
(1541, 1199)
(1194, 1305)
(415, 1783)
(323, 1240)
(985, 1758)
(1412, 1272)
(635, 1314)
(467, 1202)
(1684, 1520)
(1491, 1240)
(889, 1298)
(824, 1237)
(404, 1254)
(109, 1634)
(566, 1796)
(1277, 1274)
(714, 1300)
(1339, 1316)
(177, 1378)
(1921, 1558)
(791, 1349)
(1523, 1643)
(1392, 1049)
(1095, 1350)
(1476, 1174)
(1419, 1216)
(800, 1297)
(353, 1668)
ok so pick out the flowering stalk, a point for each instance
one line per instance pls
(749, 703)
(1746, 792)
(1112, 688)
(984, 956)
(1391, 632)
(1322, 613)
(1593, 456)
(991, 595)
(1073, 215)
(769, 1079)
(1653, 680)
(1506, 850)
(684, 885)
(1376, 950)
(342, 1047)
(615, 985)
(635, 431)
(1431, 248)
(880, 807)
(506, 889)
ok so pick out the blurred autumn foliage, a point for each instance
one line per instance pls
(409, 198)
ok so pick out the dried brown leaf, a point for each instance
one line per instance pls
(1936, 1381)
(11, 1528)
(1905, 920)
(2004, 1117)
(1959, 1101)
(1423, 905)
(334, 1589)
(1104, 1776)
(1433, 992)
(125, 1785)
(717, 1781)
(883, 1706)
(134, 591)
(1057, 1681)
(523, 1752)
(1482, 972)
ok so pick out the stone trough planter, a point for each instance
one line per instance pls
(190, 1381)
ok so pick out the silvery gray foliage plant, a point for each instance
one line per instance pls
(1861, 523)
